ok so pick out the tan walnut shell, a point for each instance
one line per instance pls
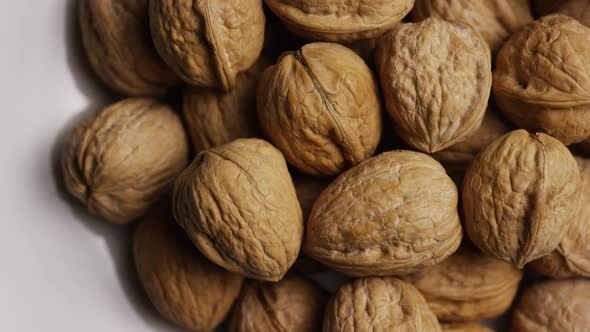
(464, 327)
(495, 20)
(393, 214)
(119, 162)
(468, 286)
(117, 40)
(208, 42)
(520, 195)
(320, 106)
(541, 80)
(340, 20)
(556, 306)
(214, 117)
(578, 9)
(436, 79)
(572, 256)
(379, 304)
(293, 304)
(184, 286)
(238, 204)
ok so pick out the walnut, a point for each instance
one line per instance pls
(393, 214)
(185, 287)
(520, 195)
(465, 327)
(119, 162)
(207, 43)
(117, 40)
(544, 7)
(436, 78)
(495, 20)
(556, 306)
(292, 304)
(340, 20)
(320, 106)
(238, 204)
(468, 286)
(541, 80)
(578, 9)
(379, 304)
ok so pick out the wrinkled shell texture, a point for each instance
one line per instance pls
(556, 306)
(340, 20)
(293, 304)
(119, 162)
(436, 78)
(184, 286)
(379, 304)
(520, 195)
(207, 43)
(393, 214)
(308, 190)
(465, 327)
(320, 106)
(542, 81)
(578, 9)
(544, 7)
(572, 256)
(495, 20)
(468, 286)
(119, 46)
(238, 204)
(215, 118)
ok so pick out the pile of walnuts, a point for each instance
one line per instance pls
(432, 150)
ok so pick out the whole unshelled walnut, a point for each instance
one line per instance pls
(578, 9)
(556, 306)
(238, 204)
(208, 43)
(464, 327)
(379, 304)
(293, 304)
(541, 80)
(392, 214)
(117, 40)
(119, 162)
(520, 196)
(183, 285)
(436, 78)
(340, 20)
(320, 106)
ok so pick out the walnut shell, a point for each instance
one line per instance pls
(119, 162)
(544, 7)
(340, 20)
(578, 9)
(393, 214)
(292, 304)
(541, 80)
(465, 327)
(436, 78)
(184, 287)
(379, 304)
(117, 40)
(520, 195)
(320, 106)
(468, 286)
(207, 43)
(572, 256)
(238, 204)
(556, 306)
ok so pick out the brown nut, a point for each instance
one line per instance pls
(183, 285)
(293, 304)
(578, 9)
(320, 106)
(468, 286)
(393, 214)
(465, 327)
(436, 78)
(541, 80)
(340, 20)
(119, 162)
(208, 43)
(117, 40)
(379, 304)
(572, 256)
(544, 7)
(556, 306)
(238, 204)
(520, 195)
(495, 20)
